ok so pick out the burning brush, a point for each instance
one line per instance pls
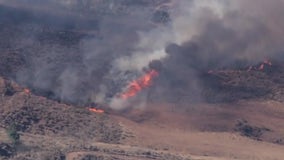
(132, 89)
(27, 91)
(139, 84)
(262, 66)
(96, 110)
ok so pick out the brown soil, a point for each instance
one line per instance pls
(242, 118)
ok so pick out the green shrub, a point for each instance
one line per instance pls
(13, 134)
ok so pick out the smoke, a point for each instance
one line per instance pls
(86, 51)
(236, 30)
(72, 52)
(205, 35)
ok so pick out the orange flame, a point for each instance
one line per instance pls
(250, 68)
(137, 85)
(96, 110)
(264, 63)
(261, 67)
(27, 91)
(267, 62)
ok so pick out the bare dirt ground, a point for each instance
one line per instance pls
(243, 120)
(210, 131)
(242, 130)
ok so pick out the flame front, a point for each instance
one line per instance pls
(137, 85)
(96, 110)
(26, 91)
(261, 67)
(264, 63)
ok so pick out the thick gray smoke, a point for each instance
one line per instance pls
(88, 50)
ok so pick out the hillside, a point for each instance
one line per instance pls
(143, 79)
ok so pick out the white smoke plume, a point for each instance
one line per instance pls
(114, 41)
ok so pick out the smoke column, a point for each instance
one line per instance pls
(114, 42)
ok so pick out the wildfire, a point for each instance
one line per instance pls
(261, 66)
(26, 91)
(96, 110)
(265, 62)
(137, 85)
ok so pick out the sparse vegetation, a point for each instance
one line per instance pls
(67, 57)
(13, 134)
(250, 131)
(6, 150)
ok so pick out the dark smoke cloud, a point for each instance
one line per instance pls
(71, 47)
(224, 35)
(245, 30)
(102, 45)
(219, 35)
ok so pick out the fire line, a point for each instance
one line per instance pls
(139, 84)
(26, 91)
(96, 110)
